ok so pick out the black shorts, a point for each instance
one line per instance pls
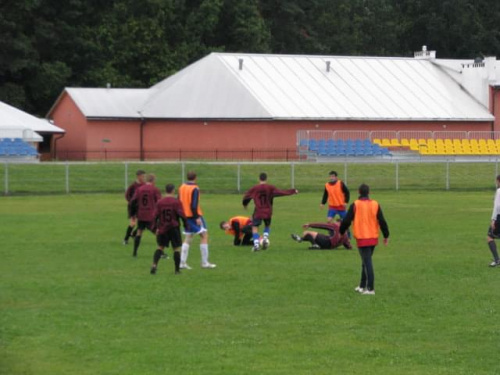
(492, 234)
(257, 222)
(141, 225)
(172, 236)
(323, 241)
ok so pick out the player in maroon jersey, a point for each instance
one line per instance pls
(144, 204)
(263, 195)
(129, 194)
(321, 241)
(167, 216)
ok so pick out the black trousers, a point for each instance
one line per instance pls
(367, 274)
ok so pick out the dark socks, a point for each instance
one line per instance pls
(309, 238)
(177, 260)
(157, 256)
(134, 233)
(128, 233)
(493, 249)
(137, 242)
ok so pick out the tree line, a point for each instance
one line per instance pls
(46, 45)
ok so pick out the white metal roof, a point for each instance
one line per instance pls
(15, 121)
(296, 87)
(104, 102)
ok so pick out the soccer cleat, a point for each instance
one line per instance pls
(495, 263)
(368, 292)
(153, 271)
(314, 247)
(164, 256)
(177, 272)
(256, 247)
(185, 266)
(359, 289)
(296, 237)
(265, 243)
(208, 265)
(125, 242)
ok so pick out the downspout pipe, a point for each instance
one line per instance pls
(54, 151)
(141, 137)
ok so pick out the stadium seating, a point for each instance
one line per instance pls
(453, 146)
(16, 147)
(343, 148)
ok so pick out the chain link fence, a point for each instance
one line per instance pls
(224, 177)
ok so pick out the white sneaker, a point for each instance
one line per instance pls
(256, 247)
(208, 265)
(494, 263)
(359, 289)
(368, 292)
(265, 243)
(185, 266)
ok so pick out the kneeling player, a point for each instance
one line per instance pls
(241, 228)
(167, 215)
(321, 241)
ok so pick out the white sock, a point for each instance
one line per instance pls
(184, 253)
(204, 253)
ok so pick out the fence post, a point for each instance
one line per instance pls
(397, 175)
(238, 179)
(496, 168)
(293, 174)
(183, 172)
(126, 176)
(6, 177)
(345, 171)
(67, 177)
(447, 175)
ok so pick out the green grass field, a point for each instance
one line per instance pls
(74, 301)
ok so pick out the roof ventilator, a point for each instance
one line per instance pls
(328, 66)
(240, 64)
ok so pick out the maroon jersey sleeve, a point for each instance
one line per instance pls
(129, 194)
(281, 193)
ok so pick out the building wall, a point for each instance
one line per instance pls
(113, 140)
(67, 116)
(208, 135)
(495, 107)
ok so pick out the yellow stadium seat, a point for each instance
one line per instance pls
(490, 142)
(422, 141)
(405, 142)
(395, 142)
(386, 142)
(377, 141)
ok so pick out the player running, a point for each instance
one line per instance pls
(337, 194)
(321, 241)
(129, 194)
(189, 195)
(241, 228)
(144, 204)
(168, 214)
(263, 195)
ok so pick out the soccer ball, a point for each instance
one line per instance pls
(264, 243)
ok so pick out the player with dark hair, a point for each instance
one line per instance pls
(262, 195)
(241, 228)
(129, 194)
(144, 204)
(168, 214)
(189, 195)
(321, 241)
(367, 220)
(494, 228)
(337, 194)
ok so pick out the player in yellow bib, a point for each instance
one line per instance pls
(337, 195)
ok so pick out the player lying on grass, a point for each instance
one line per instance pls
(321, 241)
(241, 228)
(129, 194)
(168, 215)
(263, 195)
(144, 205)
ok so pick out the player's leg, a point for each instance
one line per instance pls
(137, 240)
(176, 239)
(366, 255)
(130, 228)
(247, 236)
(188, 238)
(204, 251)
(493, 248)
(306, 236)
(161, 241)
(255, 233)
(330, 215)
(267, 231)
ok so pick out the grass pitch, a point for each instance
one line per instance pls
(74, 301)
